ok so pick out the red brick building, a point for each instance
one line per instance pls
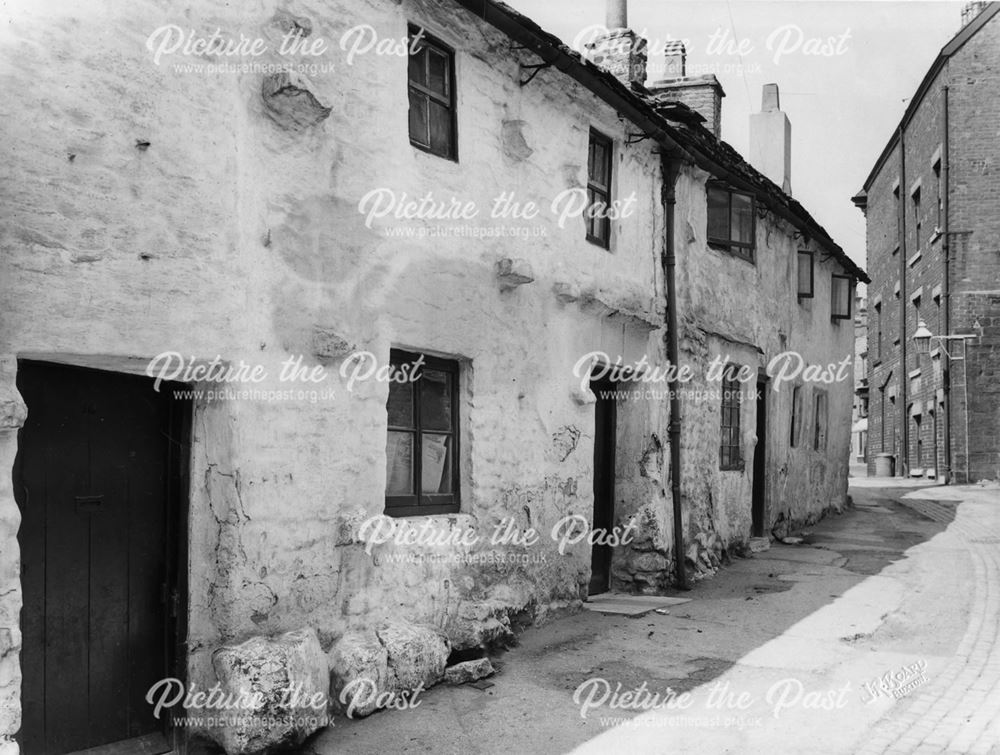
(932, 202)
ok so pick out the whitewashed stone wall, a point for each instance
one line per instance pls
(751, 313)
(152, 209)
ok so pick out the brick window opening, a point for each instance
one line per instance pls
(431, 75)
(599, 190)
(731, 221)
(878, 331)
(422, 475)
(840, 297)
(732, 399)
(899, 218)
(917, 216)
(939, 215)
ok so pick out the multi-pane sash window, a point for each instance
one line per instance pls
(432, 95)
(840, 297)
(729, 446)
(422, 445)
(805, 275)
(599, 190)
(731, 220)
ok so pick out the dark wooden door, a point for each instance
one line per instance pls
(94, 479)
(758, 504)
(605, 417)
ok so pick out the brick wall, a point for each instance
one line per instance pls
(972, 75)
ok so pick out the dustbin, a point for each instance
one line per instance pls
(885, 465)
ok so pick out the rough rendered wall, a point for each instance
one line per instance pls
(720, 318)
(162, 210)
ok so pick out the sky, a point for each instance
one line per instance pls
(843, 105)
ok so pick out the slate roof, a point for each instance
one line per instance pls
(676, 130)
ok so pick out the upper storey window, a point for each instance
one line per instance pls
(432, 95)
(731, 221)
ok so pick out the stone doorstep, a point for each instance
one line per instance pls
(760, 544)
(630, 605)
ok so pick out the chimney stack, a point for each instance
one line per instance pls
(703, 94)
(971, 10)
(620, 51)
(771, 140)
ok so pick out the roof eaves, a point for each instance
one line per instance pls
(694, 143)
(954, 45)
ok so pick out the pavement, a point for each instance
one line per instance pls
(880, 633)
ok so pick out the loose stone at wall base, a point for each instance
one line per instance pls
(288, 675)
(395, 658)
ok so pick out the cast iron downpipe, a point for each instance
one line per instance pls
(904, 466)
(946, 289)
(670, 168)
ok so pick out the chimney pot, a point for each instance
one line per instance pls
(617, 14)
(769, 100)
(674, 60)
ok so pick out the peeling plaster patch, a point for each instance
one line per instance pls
(515, 146)
(288, 22)
(564, 442)
(651, 463)
(290, 102)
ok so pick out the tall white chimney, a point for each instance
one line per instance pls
(771, 140)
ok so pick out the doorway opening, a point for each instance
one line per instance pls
(100, 479)
(759, 493)
(605, 420)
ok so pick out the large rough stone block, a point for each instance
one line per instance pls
(469, 671)
(417, 655)
(359, 673)
(285, 681)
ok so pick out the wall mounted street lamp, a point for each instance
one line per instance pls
(922, 338)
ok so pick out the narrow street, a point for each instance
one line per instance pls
(878, 633)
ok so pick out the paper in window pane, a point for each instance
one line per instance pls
(399, 463)
(435, 469)
(400, 404)
(418, 118)
(742, 223)
(435, 400)
(417, 66)
(718, 214)
(437, 79)
(440, 128)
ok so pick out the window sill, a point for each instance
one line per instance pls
(724, 248)
(410, 512)
(915, 258)
(419, 149)
(605, 245)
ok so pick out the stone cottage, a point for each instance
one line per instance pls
(310, 320)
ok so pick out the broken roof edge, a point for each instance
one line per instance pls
(950, 48)
(695, 144)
